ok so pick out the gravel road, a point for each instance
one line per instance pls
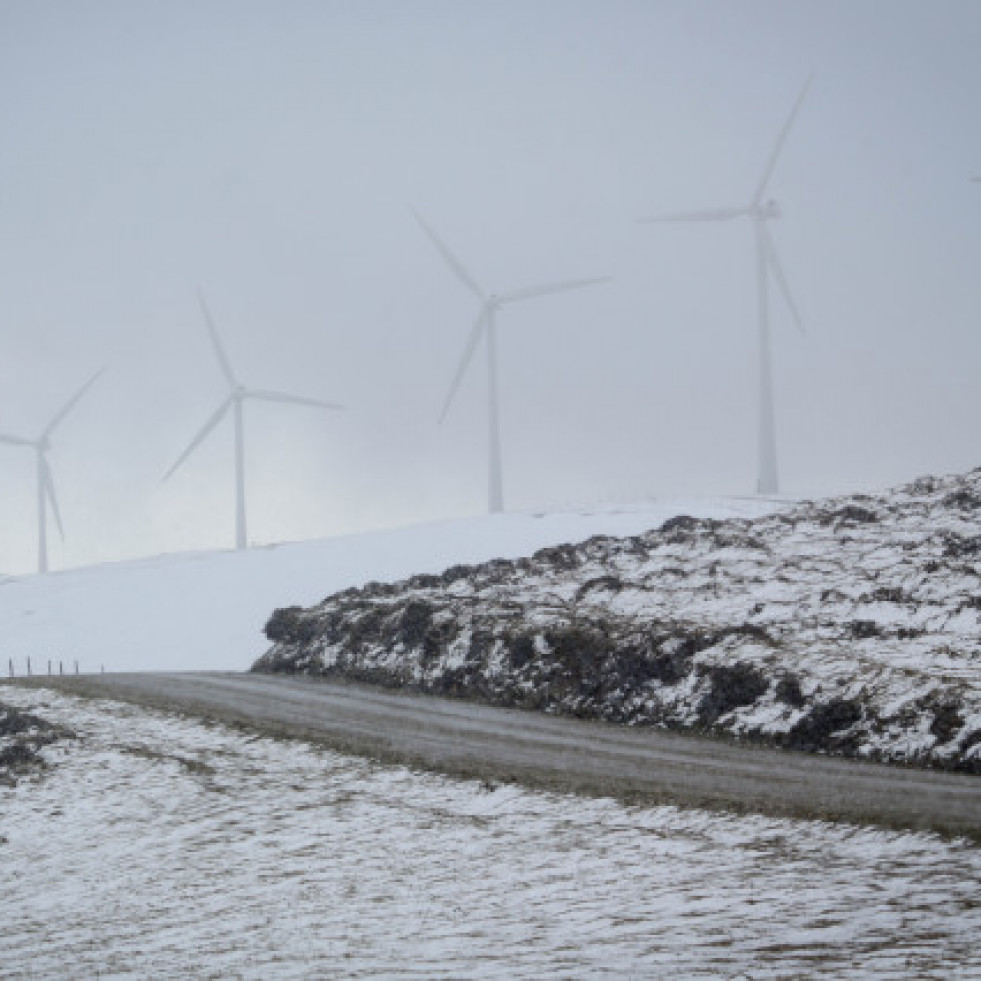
(499, 745)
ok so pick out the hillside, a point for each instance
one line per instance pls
(206, 610)
(850, 625)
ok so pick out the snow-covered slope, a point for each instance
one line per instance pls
(207, 610)
(850, 625)
(156, 846)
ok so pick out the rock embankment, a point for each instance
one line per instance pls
(849, 626)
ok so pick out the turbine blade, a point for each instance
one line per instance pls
(16, 441)
(267, 396)
(451, 260)
(472, 341)
(778, 274)
(213, 421)
(530, 291)
(49, 490)
(226, 365)
(778, 146)
(710, 214)
(70, 404)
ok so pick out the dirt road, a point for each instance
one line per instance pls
(495, 744)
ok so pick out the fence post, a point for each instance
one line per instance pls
(49, 667)
(28, 667)
(11, 662)
(61, 667)
(76, 667)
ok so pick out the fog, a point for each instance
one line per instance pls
(271, 154)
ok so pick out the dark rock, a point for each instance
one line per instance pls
(562, 558)
(731, 687)
(863, 629)
(609, 584)
(18, 756)
(414, 623)
(681, 522)
(963, 499)
(290, 625)
(521, 650)
(820, 729)
(961, 546)
(577, 649)
(889, 594)
(947, 721)
(455, 573)
(850, 514)
(788, 691)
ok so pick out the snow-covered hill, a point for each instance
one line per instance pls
(206, 610)
(850, 625)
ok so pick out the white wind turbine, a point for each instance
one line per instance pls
(238, 394)
(45, 481)
(486, 326)
(767, 261)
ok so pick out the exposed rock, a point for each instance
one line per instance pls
(824, 727)
(732, 686)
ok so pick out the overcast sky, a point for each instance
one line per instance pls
(270, 151)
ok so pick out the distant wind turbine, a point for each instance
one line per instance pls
(238, 394)
(45, 481)
(486, 326)
(767, 260)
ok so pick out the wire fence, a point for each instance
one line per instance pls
(29, 667)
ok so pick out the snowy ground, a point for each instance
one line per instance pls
(155, 846)
(206, 610)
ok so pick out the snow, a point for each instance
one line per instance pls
(206, 610)
(159, 846)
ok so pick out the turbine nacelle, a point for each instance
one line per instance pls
(767, 211)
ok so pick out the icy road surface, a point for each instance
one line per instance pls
(159, 846)
(643, 764)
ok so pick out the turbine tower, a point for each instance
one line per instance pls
(46, 496)
(486, 326)
(238, 394)
(760, 212)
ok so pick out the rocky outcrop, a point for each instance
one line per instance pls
(850, 626)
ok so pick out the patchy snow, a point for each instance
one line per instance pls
(206, 611)
(158, 846)
(864, 611)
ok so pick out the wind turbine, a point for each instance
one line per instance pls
(237, 396)
(486, 326)
(45, 481)
(759, 212)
